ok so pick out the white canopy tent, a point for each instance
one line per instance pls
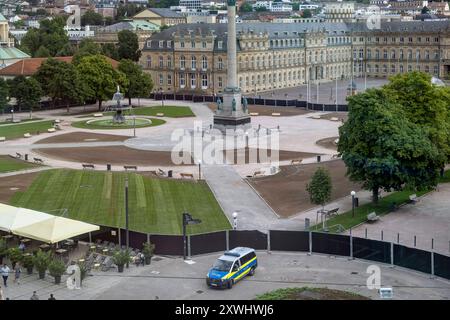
(39, 225)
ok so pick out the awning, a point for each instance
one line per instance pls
(39, 225)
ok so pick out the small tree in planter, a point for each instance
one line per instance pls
(148, 249)
(14, 255)
(28, 264)
(3, 250)
(83, 271)
(56, 269)
(41, 261)
(120, 258)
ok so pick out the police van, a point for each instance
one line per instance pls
(231, 267)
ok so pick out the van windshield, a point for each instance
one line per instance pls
(222, 265)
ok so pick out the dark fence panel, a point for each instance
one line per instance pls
(248, 238)
(169, 96)
(250, 100)
(289, 240)
(291, 103)
(198, 99)
(331, 244)
(412, 258)
(342, 107)
(281, 103)
(442, 266)
(188, 97)
(208, 242)
(179, 97)
(167, 245)
(259, 102)
(137, 239)
(329, 107)
(372, 250)
(270, 102)
(300, 104)
(209, 99)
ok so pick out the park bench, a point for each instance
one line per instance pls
(86, 166)
(336, 141)
(334, 119)
(254, 113)
(57, 127)
(57, 121)
(26, 135)
(413, 198)
(38, 160)
(130, 167)
(187, 175)
(316, 117)
(372, 217)
(51, 130)
(257, 173)
(296, 161)
(161, 172)
(159, 114)
(18, 155)
(97, 115)
(2, 138)
(333, 211)
(276, 114)
(16, 121)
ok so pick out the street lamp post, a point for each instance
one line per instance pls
(353, 203)
(134, 125)
(235, 215)
(127, 235)
(187, 219)
(246, 139)
(199, 169)
(162, 97)
(12, 114)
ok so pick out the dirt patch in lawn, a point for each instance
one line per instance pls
(12, 184)
(268, 110)
(115, 155)
(328, 143)
(263, 155)
(286, 191)
(82, 137)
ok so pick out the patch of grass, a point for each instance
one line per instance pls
(15, 131)
(169, 111)
(445, 178)
(383, 207)
(84, 125)
(155, 205)
(8, 164)
(306, 293)
(21, 121)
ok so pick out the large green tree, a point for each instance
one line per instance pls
(86, 48)
(383, 149)
(27, 92)
(4, 95)
(319, 188)
(110, 50)
(140, 83)
(61, 82)
(91, 18)
(100, 78)
(128, 47)
(51, 35)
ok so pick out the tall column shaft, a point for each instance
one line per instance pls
(231, 48)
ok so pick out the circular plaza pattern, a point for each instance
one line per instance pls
(108, 123)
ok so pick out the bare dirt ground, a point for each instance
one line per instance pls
(268, 110)
(244, 154)
(82, 137)
(116, 155)
(286, 191)
(327, 143)
(342, 116)
(12, 184)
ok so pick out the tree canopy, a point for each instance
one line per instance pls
(91, 18)
(128, 47)
(4, 95)
(320, 186)
(27, 92)
(140, 83)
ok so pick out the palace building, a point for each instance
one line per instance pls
(191, 58)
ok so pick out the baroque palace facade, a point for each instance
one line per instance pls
(191, 58)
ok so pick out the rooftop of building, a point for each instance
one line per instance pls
(132, 25)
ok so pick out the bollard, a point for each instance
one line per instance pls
(414, 241)
(432, 243)
(366, 233)
(318, 158)
(382, 235)
(398, 237)
(108, 167)
(26, 156)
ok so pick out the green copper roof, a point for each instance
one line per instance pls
(2, 18)
(143, 25)
(12, 53)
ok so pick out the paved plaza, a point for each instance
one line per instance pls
(173, 279)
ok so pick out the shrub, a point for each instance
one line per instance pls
(41, 260)
(56, 268)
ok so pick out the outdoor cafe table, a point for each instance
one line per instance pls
(44, 246)
(25, 240)
(8, 237)
(60, 251)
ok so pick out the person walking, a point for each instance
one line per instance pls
(142, 257)
(17, 272)
(5, 273)
(22, 247)
(34, 296)
(51, 297)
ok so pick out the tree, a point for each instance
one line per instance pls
(382, 148)
(42, 52)
(110, 50)
(261, 9)
(296, 6)
(425, 10)
(27, 92)
(319, 188)
(51, 35)
(128, 46)
(306, 13)
(91, 18)
(87, 47)
(61, 82)
(140, 83)
(4, 95)
(246, 7)
(66, 51)
(100, 78)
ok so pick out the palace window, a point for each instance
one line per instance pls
(182, 80)
(161, 79)
(161, 61)
(149, 61)
(192, 44)
(193, 81)
(220, 63)
(169, 62)
(219, 44)
(219, 80)
(204, 81)
(169, 79)
(182, 62)
(193, 62)
(204, 63)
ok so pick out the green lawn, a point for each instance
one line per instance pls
(155, 205)
(307, 293)
(169, 111)
(14, 131)
(8, 164)
(83, 124)
(21, 121)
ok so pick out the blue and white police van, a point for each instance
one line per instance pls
(231, 267)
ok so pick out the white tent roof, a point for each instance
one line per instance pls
(39, 225)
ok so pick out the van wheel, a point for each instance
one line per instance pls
(230, 284)
(251, 272)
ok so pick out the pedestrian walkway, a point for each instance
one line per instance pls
(14, 173)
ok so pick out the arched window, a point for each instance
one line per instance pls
(220, 63)
(204, 62)
(193, 62)
(161, 61)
